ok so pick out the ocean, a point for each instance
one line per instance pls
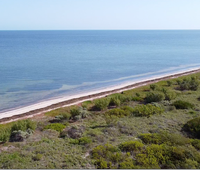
(37, 66)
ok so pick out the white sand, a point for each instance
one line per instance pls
(55, 101)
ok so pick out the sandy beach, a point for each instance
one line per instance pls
(42, 107)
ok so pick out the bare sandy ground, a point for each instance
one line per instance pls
(42, 107)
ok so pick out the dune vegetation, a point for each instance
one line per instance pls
(154, 126)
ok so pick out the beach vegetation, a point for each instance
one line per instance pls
(55, 126)
(117, 112)
(193, 127)
(114, 102)
(153, 87)
(154, 97)
(101, 104)
(23, 125)
(190, 83)
(170, 95)
(146, 110)
(180, 104)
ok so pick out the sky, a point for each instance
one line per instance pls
(99, 14)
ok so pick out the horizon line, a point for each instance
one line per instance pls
(101, 30)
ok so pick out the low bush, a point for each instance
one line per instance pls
(193, 127)
(179, 104)
(21, 128)
(117, 112)
(4, 134)
(147, 110)
(37, 157)
(153, 87)
(131, 146)
(170, 95)
(84, 140)
(189, 84)
(103, 151)
(127, 164)
(75, 112)
(128, 110)
(23, 125)
(80, 141)
(121, 97)
(171, 139)
(101, 104)
(78, 113)
(154, 97)
(169, 83)
(55, 126)
(196, 143)
(149, 138)
(86, 104)
(114, 101)
(137, 98)
(19, 136)
(61, 118)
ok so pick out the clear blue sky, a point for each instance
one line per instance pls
(99, 14)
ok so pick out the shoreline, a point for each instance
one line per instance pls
(42, 107)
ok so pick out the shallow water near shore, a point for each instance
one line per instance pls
(41, 65)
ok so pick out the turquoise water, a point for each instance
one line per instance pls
(40, 65)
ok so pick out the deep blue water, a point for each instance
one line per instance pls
(39, 65)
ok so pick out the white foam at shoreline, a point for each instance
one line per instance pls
(62, 99)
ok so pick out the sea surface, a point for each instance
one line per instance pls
(40, 65)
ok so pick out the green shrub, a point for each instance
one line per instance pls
(78, 113)
(55, 126)
(65, 116)
(196, 143)
(153, 87)
(149, 138)
(178, 81)
(137, 94)
(169, 83)
(75, 112)
(114, 101)
(189, 84)
(20, 128)
(170, 95)
(84, 140)
(171, 139)
(128, 110)
(154, 97)
(117, 112)
(193, 127)
(37, 157)
(4, 134)
(147, 110)
(23, 125)
(101, 104)
(103, 151)
(122, 97)
(190, 164)
(127, 164)
(179, 104)
(101, 164)
(136, 98)
(86, 104)
(131, 146)
(155, 153)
